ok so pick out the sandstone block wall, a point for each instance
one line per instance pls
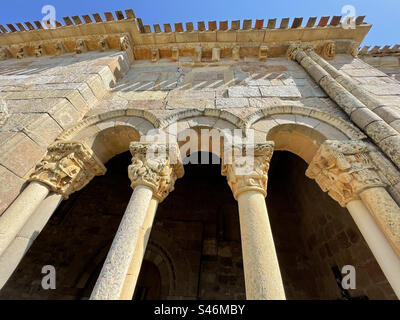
(41, 97)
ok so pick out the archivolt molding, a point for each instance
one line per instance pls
(93, 120)
(207, 112)
(158, 123)
(346, 128)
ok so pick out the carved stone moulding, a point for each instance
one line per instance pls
(67, 167)
(246, 168)
(344, 169)
(156, 166)
(119, 41)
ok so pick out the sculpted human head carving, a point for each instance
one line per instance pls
(343, 169)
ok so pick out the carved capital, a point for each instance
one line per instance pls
(157, 166)
(248, 168)
(344, 169)
(293, 50)
(67, 167)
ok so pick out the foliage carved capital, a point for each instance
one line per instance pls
(248, 168)
(68, 166)
(157, 166)
(344, 169)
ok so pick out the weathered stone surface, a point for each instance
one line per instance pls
(243, 92)
(10, 185)
(19, 154)
(280, 91)
(222, 103)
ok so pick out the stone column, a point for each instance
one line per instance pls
(247, 176)
(386, 137)
(153, 173)
(345, 170)
(137, 259)
(377, 242)
(66, 168)
(387, 112)
(14, 253)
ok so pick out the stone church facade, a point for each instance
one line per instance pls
(319, 122)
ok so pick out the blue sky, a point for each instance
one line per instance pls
(383, 14)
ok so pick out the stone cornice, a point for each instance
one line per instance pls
(238, 41)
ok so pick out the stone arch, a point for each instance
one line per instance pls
(206, 113)
(110, 133)
(187, 127)
(171, 262)
(300, 130)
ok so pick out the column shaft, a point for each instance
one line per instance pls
(137, 259)
(386, 213)
(14, 253)
(15, 217)
(377, 242)
(386, 137)
(112, 277)
(261, 268)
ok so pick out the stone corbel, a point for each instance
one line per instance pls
(81, 46)
(175, 53)
(156, 166)
(263, 53)
(236, 53)
(127, 46)
(59, 48)
(328, 50)
(4, 53)
(198, 52)
(216, 54)
(102, 44)
(344, 169)
(155, 55)
(67, 167)
(247, 169)
(353, 49)
(38, 50)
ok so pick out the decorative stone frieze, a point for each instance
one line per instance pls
(248, 169)
(67, 167)
(157, 166)
(344, 170)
